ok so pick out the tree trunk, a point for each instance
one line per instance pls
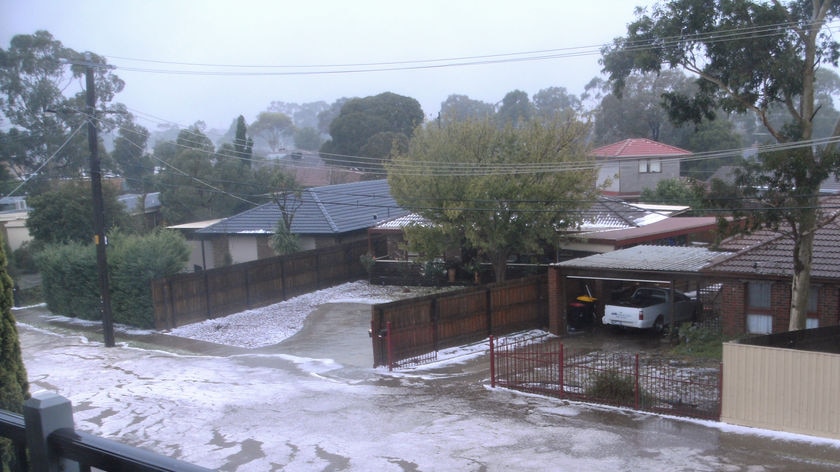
(500, 266)
(802, 257)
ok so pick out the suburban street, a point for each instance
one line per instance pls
(313, 402)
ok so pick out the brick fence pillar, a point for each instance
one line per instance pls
(556, 302)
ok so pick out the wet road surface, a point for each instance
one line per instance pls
(313, 402)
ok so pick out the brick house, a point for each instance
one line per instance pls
(755, 294)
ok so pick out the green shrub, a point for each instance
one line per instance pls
(134, 261)
(699, 341)
(70, 279)
(613, 386)
(70, 275)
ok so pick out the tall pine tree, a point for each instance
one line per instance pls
(14, 387)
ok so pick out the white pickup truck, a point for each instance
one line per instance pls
(649, 307)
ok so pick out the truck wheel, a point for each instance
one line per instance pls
(659, 325)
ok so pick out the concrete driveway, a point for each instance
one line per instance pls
(313, 402)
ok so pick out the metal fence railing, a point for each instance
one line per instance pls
(44, 440)
(642, 382)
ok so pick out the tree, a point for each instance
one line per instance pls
(676, 192)
(308, 138)
(747, 57)
(554, 103)
(34, 75)
(515, 109)
(130, 155)
(273, 128)
(463, 108)
(242, 144)
(363, 118)
(501, 190)
(286, 194)
(14, 386)
(63, 214)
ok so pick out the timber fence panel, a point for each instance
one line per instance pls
(188, 298)
(462, 318)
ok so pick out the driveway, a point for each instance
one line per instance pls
(313, 402)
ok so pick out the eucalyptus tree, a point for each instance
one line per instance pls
(41, 99)
(749, 56)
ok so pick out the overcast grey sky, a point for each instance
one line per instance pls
(321, 36)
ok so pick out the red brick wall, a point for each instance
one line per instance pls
(734, 307)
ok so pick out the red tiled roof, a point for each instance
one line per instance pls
(638, 147)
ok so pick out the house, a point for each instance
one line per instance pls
(630, 166)
(613, 224)
(756, 294)
(321, 217)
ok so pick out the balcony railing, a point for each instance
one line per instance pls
(45, 440)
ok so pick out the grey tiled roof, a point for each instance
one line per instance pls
(332, 209)
(774, 255)
(650, 258)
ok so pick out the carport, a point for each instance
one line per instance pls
(672, 266)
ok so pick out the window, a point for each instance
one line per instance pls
(758, 294)
(813, 299)
(650, 166)
(759, 324)
(811, 323)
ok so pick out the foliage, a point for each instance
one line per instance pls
(33, 78)
(130, 155)
(65, 213)
(70, 275)
(515, 110)
(133, 262)
(500, 190)
(284, 241)
(70, 280)
(362, 119)
(462, 108)
(701, 341)
(749, 73)
(555, 103)
(14, 386)
(308, 139)
(676, 192)
(272, 128)
(612, 386)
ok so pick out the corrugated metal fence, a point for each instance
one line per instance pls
(198, 296)
(411, 331)
(541, 365)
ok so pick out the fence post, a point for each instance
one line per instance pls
(44, 413)
(562, 371)
(492, 364)
(636, 384)
(390, 346)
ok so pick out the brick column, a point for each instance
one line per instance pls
(556, 302)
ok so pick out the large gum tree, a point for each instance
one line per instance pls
(749, 56)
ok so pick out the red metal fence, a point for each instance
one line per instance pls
(411, 331)
(542, 365)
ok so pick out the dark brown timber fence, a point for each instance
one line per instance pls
(412, 331)
(541, 365)
(198, 296)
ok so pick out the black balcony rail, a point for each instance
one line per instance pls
(45, 441)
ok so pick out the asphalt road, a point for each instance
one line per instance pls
(313, 402)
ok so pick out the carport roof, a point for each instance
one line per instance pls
(649, 258)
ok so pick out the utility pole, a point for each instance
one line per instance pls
(98, 206)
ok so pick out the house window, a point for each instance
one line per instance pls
(813, 300)
(759, 294)
(811, 323)
(759, 324)
(650, 166)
